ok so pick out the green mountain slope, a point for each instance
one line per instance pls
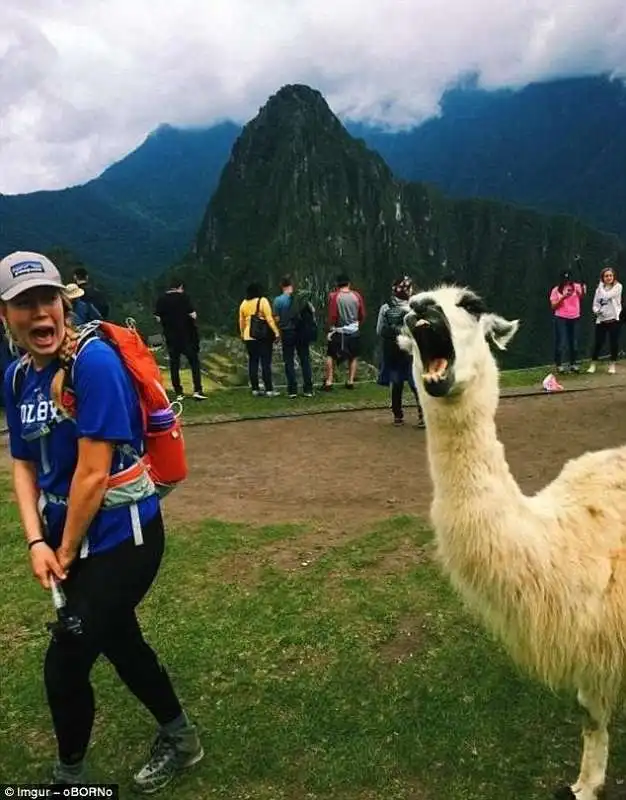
(300, 195)
(135, 219)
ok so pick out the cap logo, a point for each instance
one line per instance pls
(27, 268)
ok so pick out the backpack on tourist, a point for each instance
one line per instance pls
(305, 322)
(163, 454)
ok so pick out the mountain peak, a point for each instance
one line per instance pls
(295, 106)
(298, 92)
(314, 200)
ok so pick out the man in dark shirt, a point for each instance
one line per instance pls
(91, 295)
(177, 316)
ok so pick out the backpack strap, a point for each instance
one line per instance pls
(64, 394)
(88, 333)
(19, 376)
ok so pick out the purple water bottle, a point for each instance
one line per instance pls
(162, 420)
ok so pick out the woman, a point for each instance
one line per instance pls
(607, 308)
(82, 310)
(397, 365)
(565, 301)
(259, 336)
(105, 552)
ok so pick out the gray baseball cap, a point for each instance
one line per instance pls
(21, 271)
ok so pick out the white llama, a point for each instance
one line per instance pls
(547, 573)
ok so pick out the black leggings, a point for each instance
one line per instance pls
(103, 590)
(397, 389)
(260, 352)
(612, 329)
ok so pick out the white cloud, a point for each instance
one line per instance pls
(83, 83)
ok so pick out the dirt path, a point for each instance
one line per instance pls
(338, 470)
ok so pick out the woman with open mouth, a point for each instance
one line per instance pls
(91, 518)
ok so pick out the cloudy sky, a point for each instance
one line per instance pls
(83, 83)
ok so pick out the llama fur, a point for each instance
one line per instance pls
(546, 573)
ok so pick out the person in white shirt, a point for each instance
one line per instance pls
(607, 309)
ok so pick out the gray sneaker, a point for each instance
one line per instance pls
(169, 754)
(69, 775)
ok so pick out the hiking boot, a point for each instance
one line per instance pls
(293, 395)
(398, 421)
(308, 394)
(421, 423)
(349, 385)
(272, 393)
(169, 754)
(69, 774)
(592, 369)
(611, 369)
(258, 393)
(199, 396)
(326, 387)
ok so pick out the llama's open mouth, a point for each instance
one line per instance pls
(432, 336)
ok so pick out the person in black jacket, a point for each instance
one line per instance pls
(397, 365)
(91, 295)
(175, 311)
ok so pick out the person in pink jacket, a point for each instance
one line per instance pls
(565, 301)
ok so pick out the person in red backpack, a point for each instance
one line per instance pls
(91, 517)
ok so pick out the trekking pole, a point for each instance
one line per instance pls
(66, 623)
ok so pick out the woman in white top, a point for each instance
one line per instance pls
(607, 308)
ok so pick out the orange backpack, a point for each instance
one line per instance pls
(164, 447)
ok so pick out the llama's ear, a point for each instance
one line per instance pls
(499, 330)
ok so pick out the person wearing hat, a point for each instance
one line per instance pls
(397, 365)
(82, 310)
(91, 518)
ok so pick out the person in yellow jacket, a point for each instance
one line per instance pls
(259, 335)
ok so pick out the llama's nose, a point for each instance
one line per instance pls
(422, 306)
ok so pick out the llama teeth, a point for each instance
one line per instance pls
(434, 377)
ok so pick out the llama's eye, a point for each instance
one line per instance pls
(472, 304)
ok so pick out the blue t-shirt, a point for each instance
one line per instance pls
(107, 409)
(282, 310)
(84, 312)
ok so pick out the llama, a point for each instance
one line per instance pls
(546, 574)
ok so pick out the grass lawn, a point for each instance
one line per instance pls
(350, 674)
(238, 403)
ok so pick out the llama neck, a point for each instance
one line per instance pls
(486, 537)
(467, 461)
